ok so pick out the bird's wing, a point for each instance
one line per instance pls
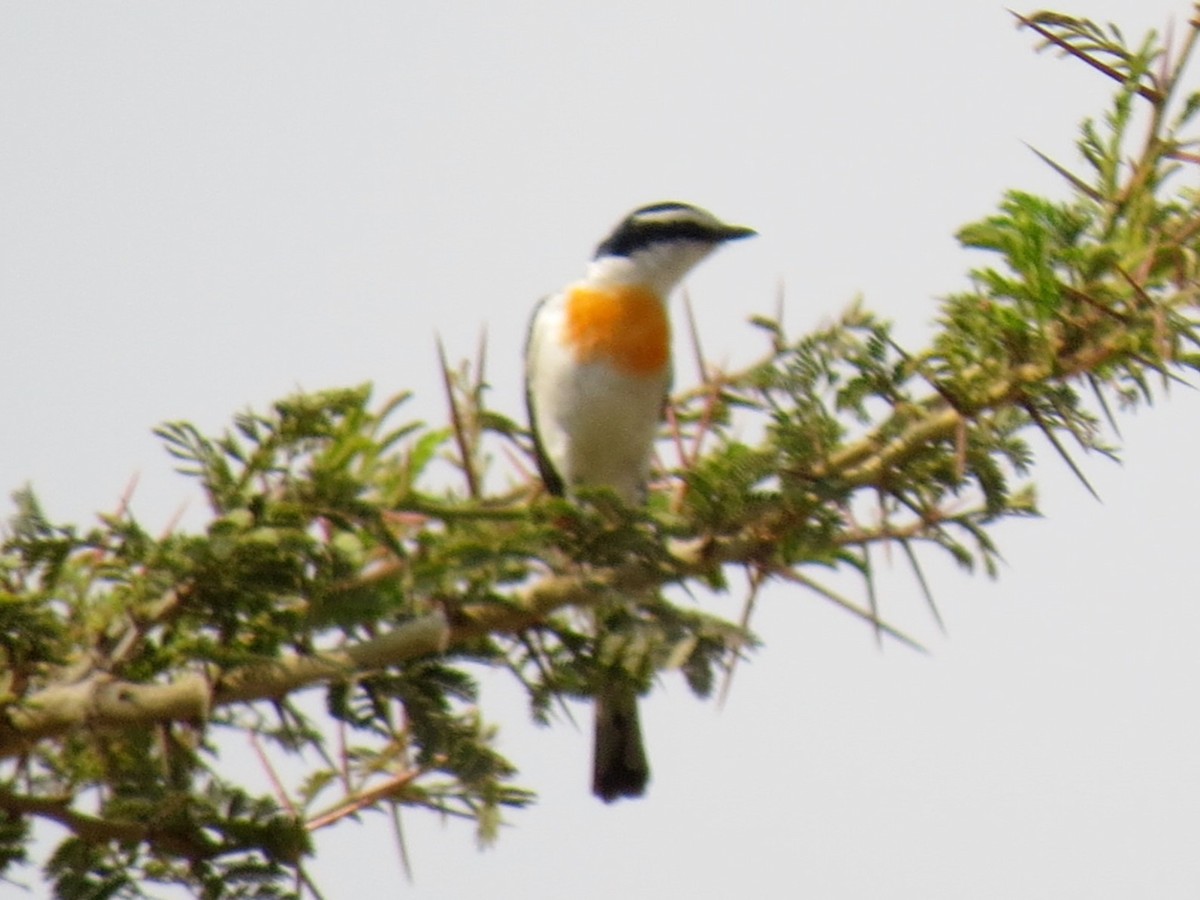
(550, 476)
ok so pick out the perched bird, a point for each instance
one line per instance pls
(597, 372)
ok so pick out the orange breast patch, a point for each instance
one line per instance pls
(626, 325)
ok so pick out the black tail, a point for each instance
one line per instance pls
(619, 768)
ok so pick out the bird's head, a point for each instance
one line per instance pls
(657, 245)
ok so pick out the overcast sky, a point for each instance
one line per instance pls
(206, 205)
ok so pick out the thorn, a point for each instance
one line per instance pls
(1078, 183)
(1062, 451)
(394, 785)
(481, 356)
(906, 546)
(173, 521)
(838, 600)
(872, 599)
(280, 794)
(694, 334)
(1099, 395)
(456, 420)
(126, 497)
(756, 577)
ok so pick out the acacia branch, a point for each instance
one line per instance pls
(101, 702)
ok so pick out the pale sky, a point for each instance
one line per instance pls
(208, 205)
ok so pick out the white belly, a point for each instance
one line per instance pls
(596, 425)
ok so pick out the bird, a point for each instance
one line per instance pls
(597, 374)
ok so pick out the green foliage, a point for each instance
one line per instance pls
(342, 553)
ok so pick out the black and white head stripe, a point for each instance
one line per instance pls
(663, 223)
